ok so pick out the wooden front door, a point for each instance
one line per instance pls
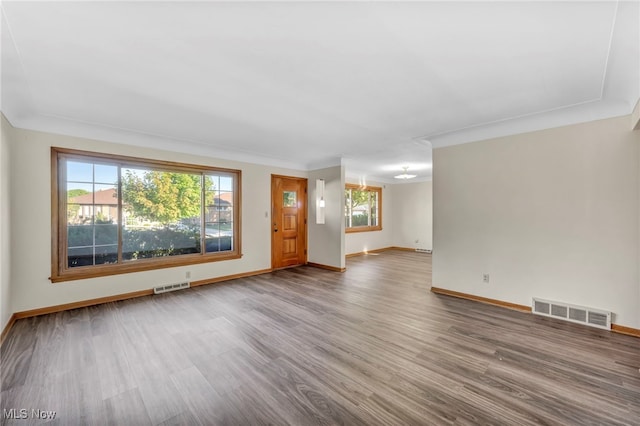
(289, 221)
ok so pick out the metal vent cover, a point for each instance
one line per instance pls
(559, 310)
(421, 250)
(598, 319)
(578, 314)
(170, 287)
(541, 307)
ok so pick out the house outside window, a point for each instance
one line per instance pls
(363, 208)
(115, 214)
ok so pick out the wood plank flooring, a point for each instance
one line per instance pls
(307, 346)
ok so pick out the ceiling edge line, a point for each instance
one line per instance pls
(504, 120)
(606, 61)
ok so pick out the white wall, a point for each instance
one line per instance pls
(552, 214)
(637, 133)
(358, 242)
(327, 241)
(31, 224)
(6, 309)
(413, 215)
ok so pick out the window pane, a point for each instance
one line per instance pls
(79, 171)
(78, 214)
(80, 235)
(218, 244)
(226, 183)
(106, 254)
(163, 211)
(105, 199)
(218, 214)
(289, 199)
(225, 199)
(221, 199)
(225, 215)
(106, 174)
(212, 237)
(360, 209)
(219, 237)
(110, 193)
(211, 182)
(82, 256)
(226, 243)
(77, 193)
(106, 233)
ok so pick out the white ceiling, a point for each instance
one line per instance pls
(307, 85)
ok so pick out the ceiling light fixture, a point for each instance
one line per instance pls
(405, 175)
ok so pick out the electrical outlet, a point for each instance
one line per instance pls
(485, 278)
(417, 240)
(188, 275)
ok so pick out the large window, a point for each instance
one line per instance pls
(114, 214)
(363, 208)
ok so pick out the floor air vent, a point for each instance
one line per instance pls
(170, 287)
(420, 250)
(578, 314)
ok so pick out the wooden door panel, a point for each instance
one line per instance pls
(289, 216)
(289, 222)
(289, 246)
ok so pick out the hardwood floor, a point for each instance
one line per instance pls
(308, 346)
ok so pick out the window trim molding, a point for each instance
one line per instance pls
(61, 272)
(378, 227)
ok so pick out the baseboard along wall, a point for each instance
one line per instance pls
(327, 267)
(621, 329)
(380, 250)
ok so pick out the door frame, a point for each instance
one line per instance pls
(305, 212)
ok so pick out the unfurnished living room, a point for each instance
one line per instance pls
(296, 213)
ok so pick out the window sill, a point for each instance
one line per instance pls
(363, 229)
(86, 272)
